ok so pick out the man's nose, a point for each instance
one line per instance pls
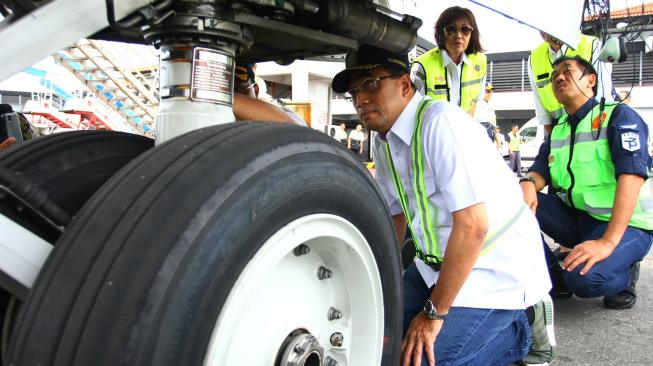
(558, 77)
(361, 99)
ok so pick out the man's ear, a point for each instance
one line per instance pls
(406, 85)
(592, 81)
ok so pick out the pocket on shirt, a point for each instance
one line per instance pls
(429, 183)
(586, 165)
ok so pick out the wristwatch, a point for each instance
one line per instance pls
(527, 178)
(431, 312)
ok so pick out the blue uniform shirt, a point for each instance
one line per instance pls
(623, 122)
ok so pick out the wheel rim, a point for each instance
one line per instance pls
(280, 296)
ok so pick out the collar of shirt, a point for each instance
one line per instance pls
(582, 111)
(446, 59)
(405, 125)
(554, 55)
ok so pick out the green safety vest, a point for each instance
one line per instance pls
(542, 68)
(435, 80)
(429, 251)
(582, 168)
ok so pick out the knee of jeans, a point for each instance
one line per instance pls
(589, 285)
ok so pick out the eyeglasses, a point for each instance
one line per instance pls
(365, 86)
(452, 30)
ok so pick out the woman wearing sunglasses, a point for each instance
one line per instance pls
(456, 69)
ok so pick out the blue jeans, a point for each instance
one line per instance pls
(570, 227)
(469, 336)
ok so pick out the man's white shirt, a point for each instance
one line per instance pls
(462, 169)
(357, 135)
(484, 112)
(340, 134)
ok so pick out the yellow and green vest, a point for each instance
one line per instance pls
(429, 249)
(542, 68)
(435, 80)
(581, 166)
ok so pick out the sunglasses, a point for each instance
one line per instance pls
(452, 30)
(365, 86)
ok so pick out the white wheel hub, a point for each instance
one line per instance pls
(316, 279)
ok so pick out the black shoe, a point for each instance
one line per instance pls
(627, 298)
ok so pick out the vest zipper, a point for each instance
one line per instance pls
(460, 84)
(446, 82)
(571, 155)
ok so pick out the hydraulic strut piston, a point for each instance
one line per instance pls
(196, 68)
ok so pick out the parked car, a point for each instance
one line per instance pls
(532, 135)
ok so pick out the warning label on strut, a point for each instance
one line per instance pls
(212, 76)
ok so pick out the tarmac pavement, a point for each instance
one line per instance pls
(589, 334)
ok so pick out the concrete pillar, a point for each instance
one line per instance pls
(300, 81)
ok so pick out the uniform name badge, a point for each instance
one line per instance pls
(630, 141)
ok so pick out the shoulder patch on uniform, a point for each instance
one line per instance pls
(628, 127)
(630, 141)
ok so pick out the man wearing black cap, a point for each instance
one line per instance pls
(484, 113)
(247, 106)
(479, 260)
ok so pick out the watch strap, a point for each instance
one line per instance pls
(527, 178)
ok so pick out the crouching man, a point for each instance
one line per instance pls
(480, 261)
(597, 158)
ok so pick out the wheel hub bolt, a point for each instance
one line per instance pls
(334, 314)
(337, 339)
(323, 273)
(330, 362)
(301, 249)
(299, 348)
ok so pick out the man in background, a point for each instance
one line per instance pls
(356, 140)
(484, 113)
(513, 147)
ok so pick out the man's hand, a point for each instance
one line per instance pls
(590, 252)
(530, 194)
(7, 143)
(419, 339)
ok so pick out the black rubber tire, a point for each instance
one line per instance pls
(140, 276)
(71, 166)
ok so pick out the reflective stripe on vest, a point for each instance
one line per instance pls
(591, 185)
(437, 85)
(542, 68)
(429, 252)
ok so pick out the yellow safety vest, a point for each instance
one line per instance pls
(513, 144)
(582, 168)
(542, 68)
(429, 250)
(435, 78)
